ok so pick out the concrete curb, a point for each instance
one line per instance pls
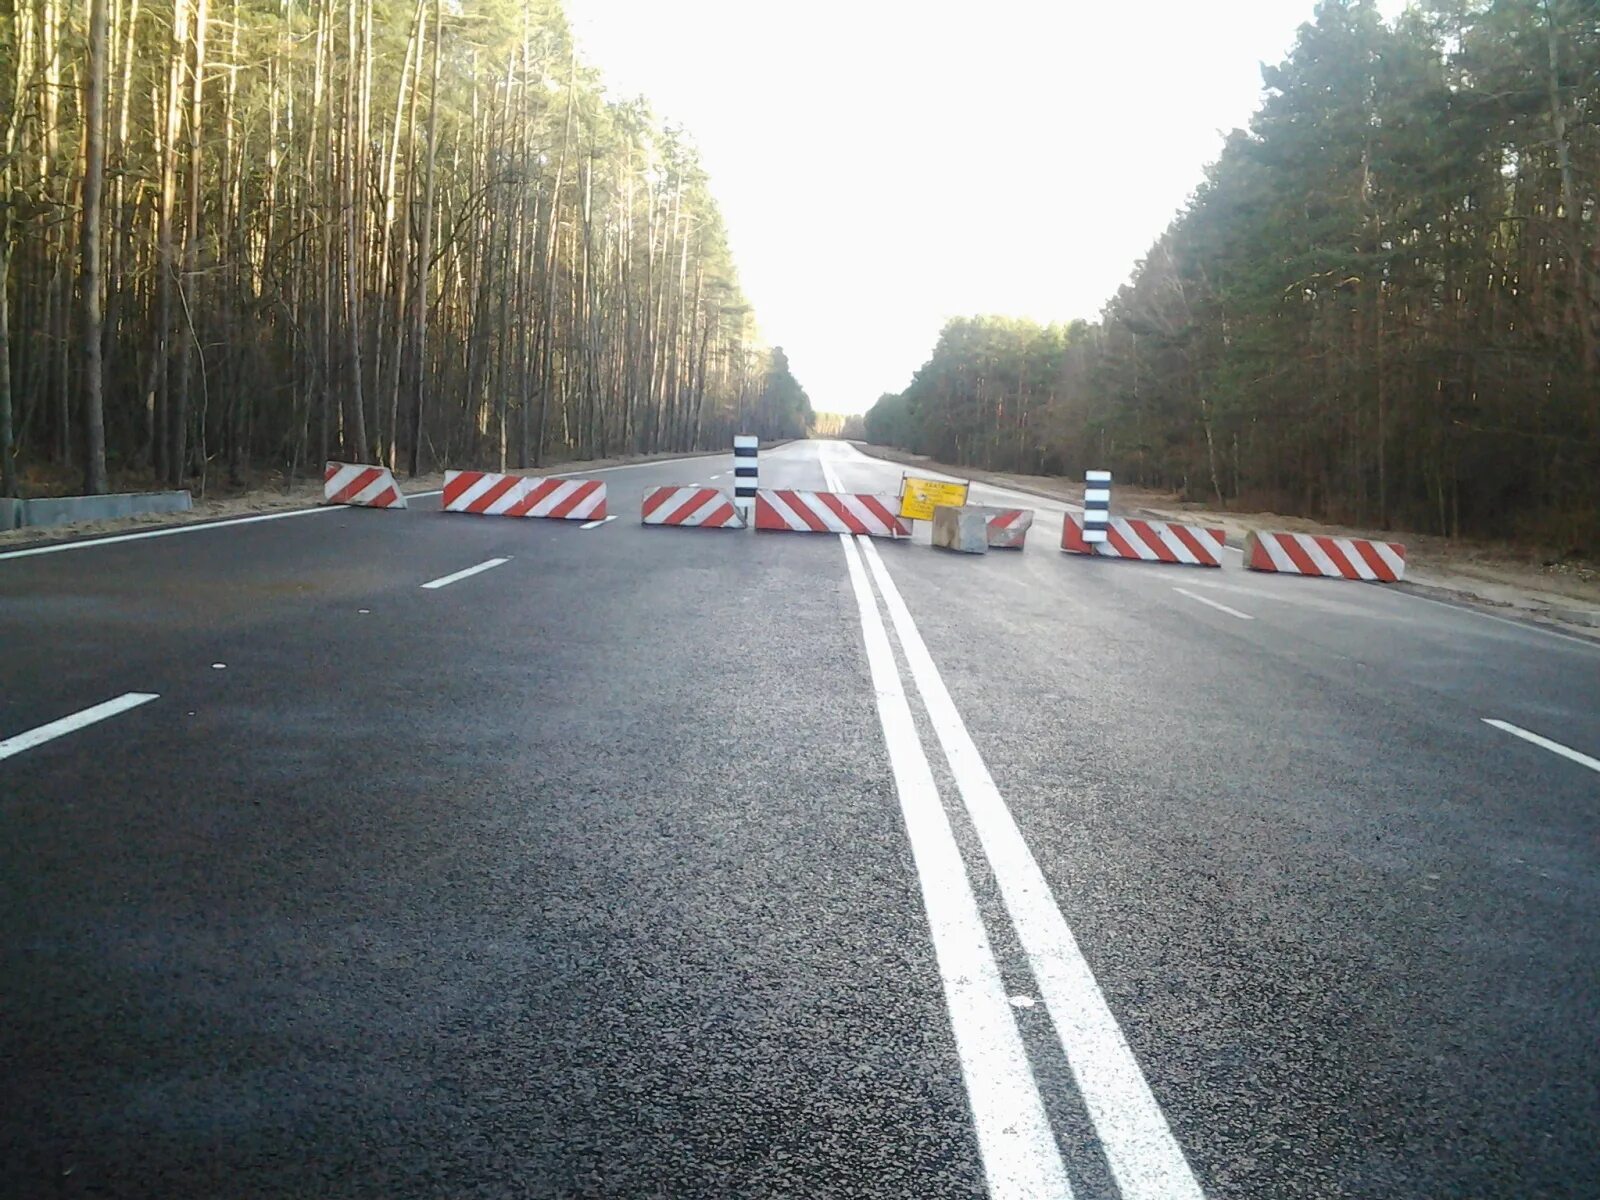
(73, 510)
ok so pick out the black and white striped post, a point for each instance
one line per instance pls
(1096, 505)
(744, 474)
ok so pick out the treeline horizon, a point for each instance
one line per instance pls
(1380, 307)
(244, 236)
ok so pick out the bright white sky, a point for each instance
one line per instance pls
(886, 164)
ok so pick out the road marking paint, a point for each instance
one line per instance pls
(89, 716)
(169, 531)
(1525, 626)
(1232, 612)
(1020, 1155)
(595, 524)
(201, 526)
(1139, 1146)
(1583, 760)
(456, 577)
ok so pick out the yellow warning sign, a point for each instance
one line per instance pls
(919, 497)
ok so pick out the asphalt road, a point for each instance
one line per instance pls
(659, 862)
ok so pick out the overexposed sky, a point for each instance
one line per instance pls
(884, 165)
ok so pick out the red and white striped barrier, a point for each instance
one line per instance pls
(491, 494)
(828, 512)
(701, 507)
(1008, 528)
(1148, 541)
(357, 483)
(1336, 557)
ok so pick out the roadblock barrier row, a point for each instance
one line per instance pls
(1335, 557)
(360, 484)
(490, 494)
(1148, 541)
(828, 512)
(1008, 527)
(701, 507)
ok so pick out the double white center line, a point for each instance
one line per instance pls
(1019, 1151)
(1020, 1154)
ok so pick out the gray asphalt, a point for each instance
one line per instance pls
(587, 875)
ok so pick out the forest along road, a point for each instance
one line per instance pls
(630, 861)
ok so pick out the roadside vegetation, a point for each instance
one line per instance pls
(1381, 306)
(238, 237)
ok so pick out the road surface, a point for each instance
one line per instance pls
(660, 862)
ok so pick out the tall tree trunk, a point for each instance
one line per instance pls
(10, 81)
(188, 339)
(425, 249)
(355, 407)
(94, 174)
(164, 347)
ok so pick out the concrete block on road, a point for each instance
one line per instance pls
(828, 512)
(964, 528)
(1008, 527)
(490, 493)
(698, 507)
(1146, 541)
(73, 510)
(10, 514)
(1331, 557)
(361, 484)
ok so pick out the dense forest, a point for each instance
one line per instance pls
(1381, 306)
(247, 235)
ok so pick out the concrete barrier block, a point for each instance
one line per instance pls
(965, 529)
(1008, 527)
(1318, 554)
(73, 510)
(10, 514)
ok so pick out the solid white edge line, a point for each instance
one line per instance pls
(167, 531)
(447, 580)
(1525, 626)
(1583, 760)
(1471, 611)
(202, 526)
(1232, 612)
(1139, 1146)
(77, 720)
(594, 524)
(1021, 1160)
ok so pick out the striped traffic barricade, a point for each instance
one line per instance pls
(1146, 541)
(1330, 557)
(361, 485)
(489, 493)
(828, 512)
(695, 507)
